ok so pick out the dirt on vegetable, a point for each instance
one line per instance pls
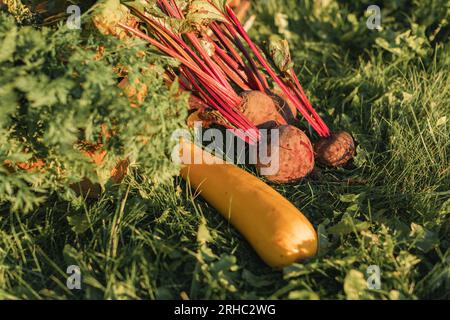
(295, 154)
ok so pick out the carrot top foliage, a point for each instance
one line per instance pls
(59, 89)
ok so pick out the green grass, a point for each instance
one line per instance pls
(389, 208)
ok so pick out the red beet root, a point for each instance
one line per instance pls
(261, 110)
(336, 150)
(295, 154)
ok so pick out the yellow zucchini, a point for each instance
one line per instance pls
(276, 229)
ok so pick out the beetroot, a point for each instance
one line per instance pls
(336, 150)
(295, 154)
(261, 110)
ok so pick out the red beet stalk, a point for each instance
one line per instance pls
(318, 125)
(211, 86)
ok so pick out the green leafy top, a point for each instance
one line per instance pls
(281, 54)
(57, 90)
(196, 14)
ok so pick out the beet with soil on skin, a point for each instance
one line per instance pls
(295, 154)
(336, 150)
(261, 110)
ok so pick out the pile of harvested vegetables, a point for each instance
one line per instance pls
(228, 74)
(87, 123)
(234, 84)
